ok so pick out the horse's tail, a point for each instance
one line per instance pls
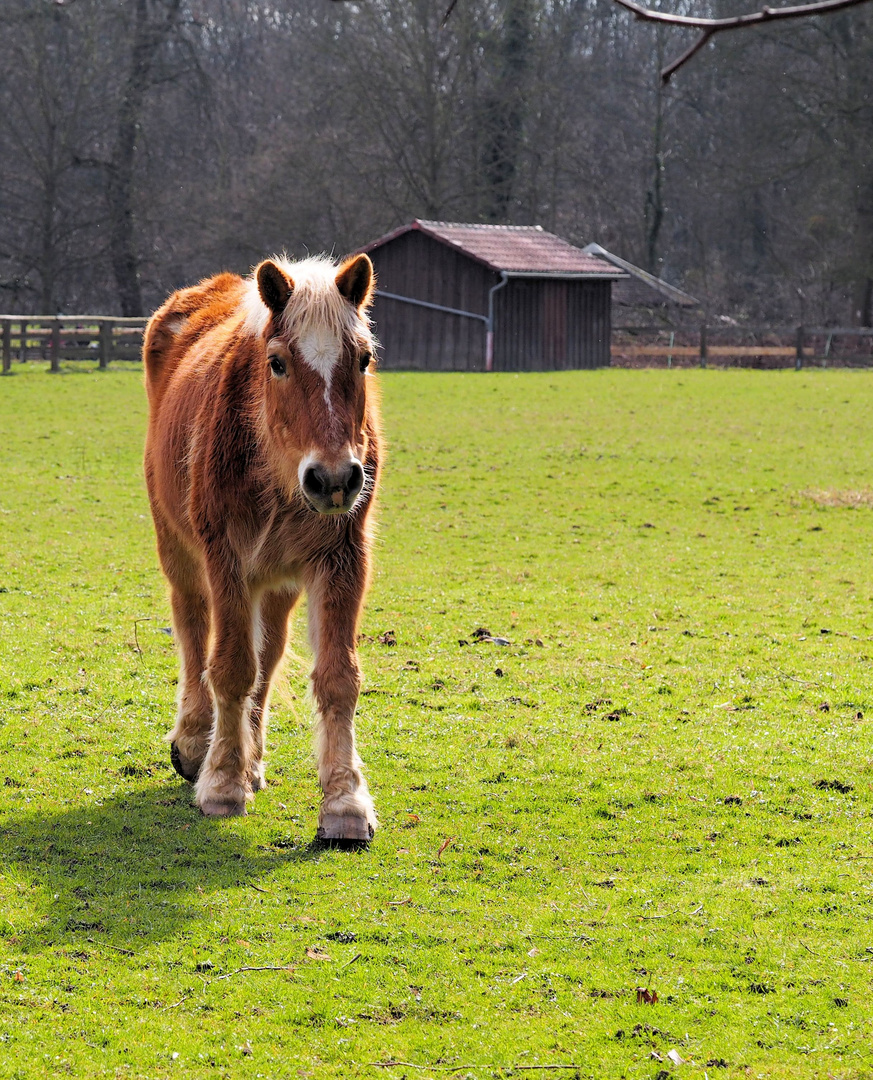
(177, 323)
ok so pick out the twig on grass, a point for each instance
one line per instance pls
(677, 911)
(146, 618)
(181, 1001)
(267, 967)
(460, 1068)
(115, 948)
(349, 963)
(793, 678)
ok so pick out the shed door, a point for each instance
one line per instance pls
(555, 300)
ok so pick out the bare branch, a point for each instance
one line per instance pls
(710, 27)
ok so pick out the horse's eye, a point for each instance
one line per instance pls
(277, 366)
(365, 359)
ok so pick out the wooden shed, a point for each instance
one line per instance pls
(455, 297)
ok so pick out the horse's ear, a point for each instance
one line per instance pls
(356, 281)
(274, 285)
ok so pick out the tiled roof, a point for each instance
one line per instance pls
(519, 249)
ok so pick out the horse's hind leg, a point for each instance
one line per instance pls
(271, 636)
(189, 738)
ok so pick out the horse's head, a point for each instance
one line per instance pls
(317, 349)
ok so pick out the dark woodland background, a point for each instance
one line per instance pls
(146, 143)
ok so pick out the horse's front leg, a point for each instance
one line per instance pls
(335, 600)
(224, 784)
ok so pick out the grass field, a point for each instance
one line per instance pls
(661, 786)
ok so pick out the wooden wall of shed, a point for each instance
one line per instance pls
(540, 324)
(420, 339)
(543, 325)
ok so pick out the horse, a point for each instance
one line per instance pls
(261, 462)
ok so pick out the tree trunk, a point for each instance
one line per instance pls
(654, 210)
(148, 37)
(504, 111)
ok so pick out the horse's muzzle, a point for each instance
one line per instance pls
(333, 491)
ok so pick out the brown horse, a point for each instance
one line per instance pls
(261, 460)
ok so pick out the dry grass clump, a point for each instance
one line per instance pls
(831, 497)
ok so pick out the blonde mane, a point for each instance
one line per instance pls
(315, 307)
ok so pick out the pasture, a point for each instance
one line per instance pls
(660, 786)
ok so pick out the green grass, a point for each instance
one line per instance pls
(664, 781)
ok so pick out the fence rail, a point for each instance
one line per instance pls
(104, 338)
(735, 346)
(69, 337)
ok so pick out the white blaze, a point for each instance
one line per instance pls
(321, 349)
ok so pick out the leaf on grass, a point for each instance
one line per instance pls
(645, 996)
(444, 845)
(246, 1049)
(316, 954)
(388, 638)
(675, 1057)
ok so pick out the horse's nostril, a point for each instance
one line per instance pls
(316, 481)
(355, 480)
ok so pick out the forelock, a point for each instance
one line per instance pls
(316, 308)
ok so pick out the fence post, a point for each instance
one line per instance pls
(7, 345)
(799, 362)
(22, 342)
(105, 343)
(703, 345)
(56, 346)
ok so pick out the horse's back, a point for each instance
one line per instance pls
(180, 322)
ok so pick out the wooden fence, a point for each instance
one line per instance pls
(69, 337)
(99, 338)
(738, 346)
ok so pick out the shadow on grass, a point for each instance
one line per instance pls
(132, 869)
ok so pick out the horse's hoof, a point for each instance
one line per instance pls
(344, 828)
(257, 778)
(185, 769)
(223, 809)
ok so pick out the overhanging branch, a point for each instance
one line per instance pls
(710, 27)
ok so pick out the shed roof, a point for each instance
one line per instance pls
(667, 291)
(524, 250)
